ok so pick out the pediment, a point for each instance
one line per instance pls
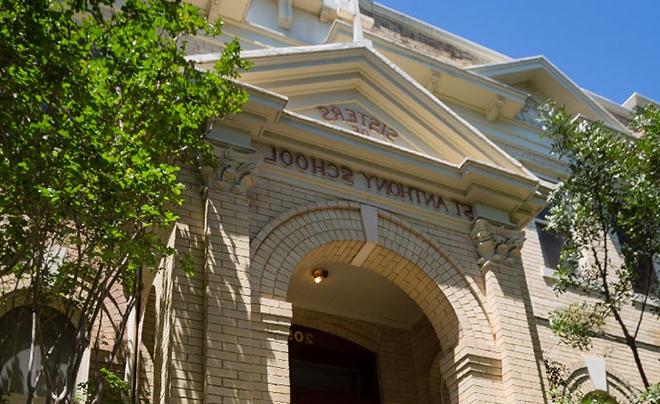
(540, 74)
(354, 116)
(331, 83)
(348, 104)
(351, 111)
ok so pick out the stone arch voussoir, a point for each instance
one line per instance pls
(357, 332)
(333, 231)
(579, 381)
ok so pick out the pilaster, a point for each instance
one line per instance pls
(508, 302)
(231, 371)
(470, 378)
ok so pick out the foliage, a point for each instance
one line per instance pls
(558, 391)
(650, 396)
(98, 110)
(576, 324)
(598, 397)
(613, 188)
(116, 389)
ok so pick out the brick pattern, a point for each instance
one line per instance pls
(270, 198)
(149, 329)
(425, 347)
(230, 321)
(507, 298)
(184, 316)
(231, 370)
(331, 231)
(619, 361)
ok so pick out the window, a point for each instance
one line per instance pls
(647, 276)
(551, 243)
(15, 331)
(648, 271)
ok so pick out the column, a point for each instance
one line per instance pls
(233, 371)
(507, 299)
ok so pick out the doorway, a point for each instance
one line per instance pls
(325, 369)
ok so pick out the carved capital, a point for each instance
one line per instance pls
(496, 244)
(530, 113)
(235, 173)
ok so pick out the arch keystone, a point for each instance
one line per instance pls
(369, 216)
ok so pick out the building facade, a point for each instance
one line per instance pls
(373, 232)
(407, 165)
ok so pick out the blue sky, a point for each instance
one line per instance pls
(607, 46)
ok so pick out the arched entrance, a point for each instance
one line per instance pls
(389, 344)
(343, 234)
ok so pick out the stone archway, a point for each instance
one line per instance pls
(350, 233)
(579, 381)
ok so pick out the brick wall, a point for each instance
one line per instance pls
(619, 360)
(228, 338)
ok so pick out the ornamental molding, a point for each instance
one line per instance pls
(235, 173)
(530, 113)
(496, 244)
(494, 108)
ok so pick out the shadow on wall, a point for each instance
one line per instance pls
(245, 349)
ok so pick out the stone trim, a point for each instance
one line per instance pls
(496, 244)
(579, 380)
(282, 245)
(236, 172)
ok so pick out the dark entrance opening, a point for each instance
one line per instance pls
(328, 369)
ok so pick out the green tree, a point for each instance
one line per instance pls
(98, 110)
(612, 191)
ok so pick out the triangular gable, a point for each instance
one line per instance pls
(443, 77)
(552, 82)
(365, 100)
(354, 76)
(638, 100)
(350, 110)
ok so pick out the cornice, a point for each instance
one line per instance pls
(637, 99)
(471, 182)
(273, 63)
(435, 32)
(541, 62)
(433, 63)
(509, 187)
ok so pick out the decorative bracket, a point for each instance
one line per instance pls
(494, 108)
(530, 113)
(434, 82)
(235, 172)
(284, 13)
(496, 244)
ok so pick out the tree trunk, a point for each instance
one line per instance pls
(632, 343)
(30, 371)
(638, 361)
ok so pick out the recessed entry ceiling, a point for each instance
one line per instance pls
(356, 293)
